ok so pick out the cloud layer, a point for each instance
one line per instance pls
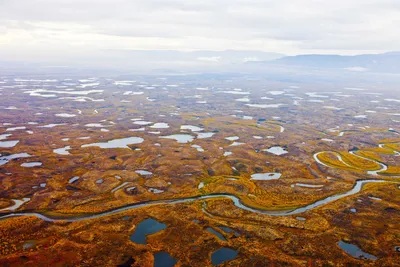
(72, 27)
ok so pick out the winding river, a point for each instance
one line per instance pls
(383, 167)
(236, 201)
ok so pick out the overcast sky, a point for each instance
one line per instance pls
(32, 28)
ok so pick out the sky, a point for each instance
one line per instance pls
(34, 29)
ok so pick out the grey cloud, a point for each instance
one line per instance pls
(292, 25)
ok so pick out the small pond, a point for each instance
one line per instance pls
(180, 138)
(223, 254)
(118, 143)
(265, 176)
(31, 164)
(218, 234)
(163, 259)
(144, 228)
(276, 150)
(355, 251)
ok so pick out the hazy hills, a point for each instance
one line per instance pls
(147, 61)
(387, 62)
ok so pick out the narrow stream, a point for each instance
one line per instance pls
(357, 188)
(383, 167)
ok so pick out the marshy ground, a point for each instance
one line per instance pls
(75, 146)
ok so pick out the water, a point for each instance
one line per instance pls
(308, 185)
(17, 203)
(236, 144)
(15, 128)
(65, 115)
(218, 234)
(29, 244)
(163, 259)
(265, 176)
(62, 151)
(191, 128)
(276, 92)
(142, 122)
(143, 172)
(96, 125)
(155, 191)
(276, 150)
(73, 179)
(8, 144)
(355, 251)
(160, 125)
(199, 148)
(375, 198)
(6, 159)
(31, 164)
(4, 136)
(52, 125)
(37, 92)
(118, 143)
(232, 138)
(383, 167)
(180, 138)
(144, 228)
(225, 229)
(244, 99)
(236, 201)
(119, 187)
(204, 135)
(228, 230)
(222, 255)
(265, 105)
(337, 155)
(235, 92)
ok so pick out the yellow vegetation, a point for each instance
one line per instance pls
(358, 162)
(332, 160)
(392, 171)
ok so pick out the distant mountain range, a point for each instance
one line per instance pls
(240, 60)
(387, 62)
(148, 61)
(199, 56)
